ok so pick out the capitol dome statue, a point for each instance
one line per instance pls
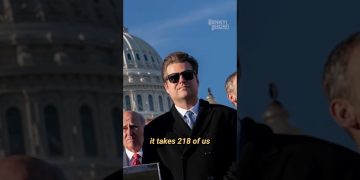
(276, 116)
(143, 86)
(60, 84)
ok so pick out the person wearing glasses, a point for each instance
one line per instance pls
(195, 140)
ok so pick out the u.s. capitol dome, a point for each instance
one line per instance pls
(143, 90)
(60, 84)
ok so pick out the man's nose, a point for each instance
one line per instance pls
(181, 78)
(127, 130)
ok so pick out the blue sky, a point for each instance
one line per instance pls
(288, 42)
(183, 26)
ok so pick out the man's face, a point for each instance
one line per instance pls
(183, 89)
(232, 96)
(235, 90)
(133, 132)
(353, 74)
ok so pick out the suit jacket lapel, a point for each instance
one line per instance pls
(179, 125)
(182, 130)
(201, 124)
(126, 161)
(202, 120)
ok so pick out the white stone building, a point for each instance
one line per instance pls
(60, 83)
(143, 89)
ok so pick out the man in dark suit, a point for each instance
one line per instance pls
(267, 156)
(133, 138)
(195, 140)
(341, 82)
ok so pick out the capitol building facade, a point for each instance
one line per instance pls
(60, 84)
(142, 83)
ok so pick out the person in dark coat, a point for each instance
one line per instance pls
(341, 82)
(268, 156)
(264, 155)
(195, 140)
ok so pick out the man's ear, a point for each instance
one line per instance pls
(344, 113)
(229, 96)
(232, 98)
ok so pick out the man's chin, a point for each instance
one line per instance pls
(131, 143)
(184, 94)
(132, 146)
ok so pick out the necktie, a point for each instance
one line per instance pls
(135, 160)
(189, 118)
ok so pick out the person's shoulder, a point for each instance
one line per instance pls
(159, 121)
(254, 130)
(217, 107)
(315, 146)
(250, 123)
(161, 117)
(305, 139)
(222, 107)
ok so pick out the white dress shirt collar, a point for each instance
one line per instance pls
(130, 154)
(194, 109)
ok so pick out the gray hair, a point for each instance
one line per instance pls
(229, 85)
(138, 116)
(335, 82)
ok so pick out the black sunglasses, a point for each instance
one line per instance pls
(187, 75)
